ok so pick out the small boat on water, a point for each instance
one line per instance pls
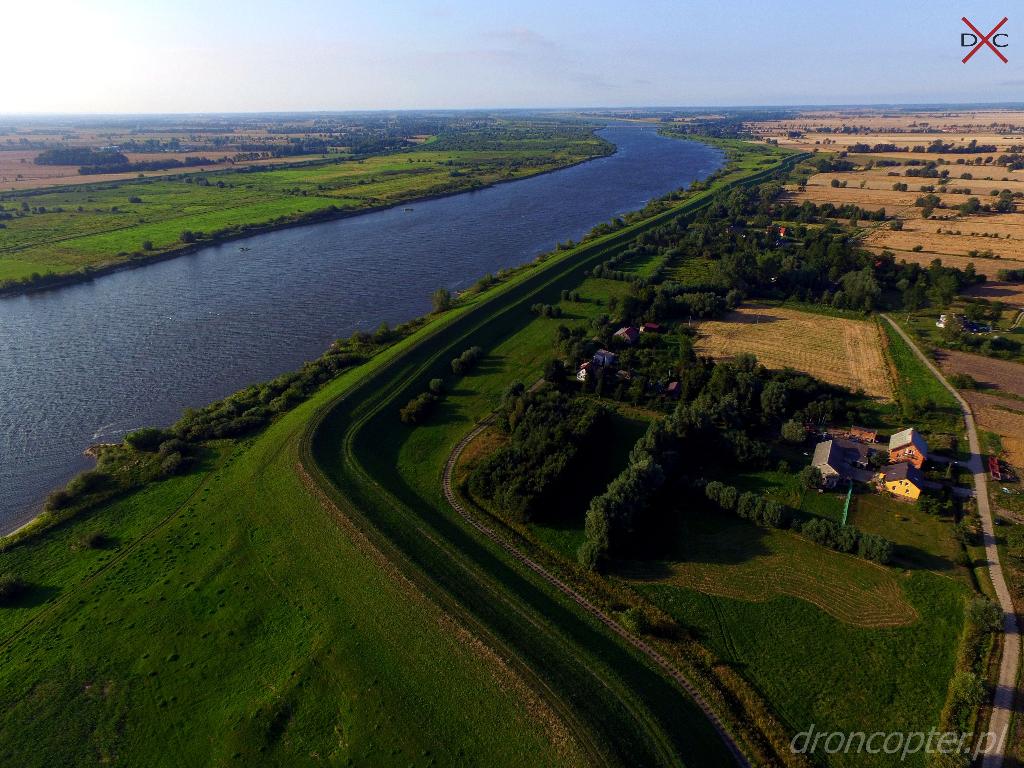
(408, 209)
(243, 248)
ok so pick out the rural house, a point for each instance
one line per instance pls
(584, 371)
(903, 480)
(628, 334)
(604, 358)
(650, 328)
(839, 459)
(908, 446)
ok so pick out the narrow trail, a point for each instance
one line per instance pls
(1003, 700)
(659, 660)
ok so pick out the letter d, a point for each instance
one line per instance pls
(807, 736)
(974, 40)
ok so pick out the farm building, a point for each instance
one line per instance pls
(650, 328)
(864, 434)
(839, 459)
(903, 480)
(908, 446)
(604, 358)
(628, 334)
(672, 390)
(584, 371)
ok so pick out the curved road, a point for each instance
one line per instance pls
(1002, 702)
(653, 655)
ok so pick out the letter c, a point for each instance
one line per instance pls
(995, 40)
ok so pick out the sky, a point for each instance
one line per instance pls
(136, 56)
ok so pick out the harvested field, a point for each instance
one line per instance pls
(1005, 418)
(1008, 293)
(837, 350)
(758, 565)
(1001, 374)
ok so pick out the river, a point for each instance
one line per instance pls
(89, 362)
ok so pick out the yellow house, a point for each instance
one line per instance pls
(903, 480)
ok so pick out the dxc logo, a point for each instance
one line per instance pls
(977, 40)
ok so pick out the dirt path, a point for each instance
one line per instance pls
(659, 660)
(1002, 701)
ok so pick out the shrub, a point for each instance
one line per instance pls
(436, 387)
(146, 439)
(416, 410)
(173, 464)
(93, 540)
(11, 588)
(441, 300)
(634, 620)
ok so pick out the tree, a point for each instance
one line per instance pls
(793, 431)
(774, 398)
(554, 371)
(441, 299)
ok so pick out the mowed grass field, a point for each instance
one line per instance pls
(70, 228)
(230, 620)
(838, 350)
(731, 558)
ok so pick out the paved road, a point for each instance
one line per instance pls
(579, 599)
(1002, 703)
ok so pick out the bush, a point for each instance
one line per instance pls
(985, 614)
(793, 431)
(418, 409)
(467, 361)
(146, 439)
(11, 588)
(93, 540)
(441, 300)
(634, 620)
(173, 464)
(436, 387)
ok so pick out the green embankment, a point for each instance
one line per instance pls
(229, 618)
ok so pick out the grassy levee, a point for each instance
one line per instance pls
(351, 448)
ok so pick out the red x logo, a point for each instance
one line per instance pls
(984, 40)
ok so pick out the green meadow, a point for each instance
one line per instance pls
(89, 226)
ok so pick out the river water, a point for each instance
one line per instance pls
(90, 362)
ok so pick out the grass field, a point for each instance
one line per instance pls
(215, 631)
(922, 396)
(817, 669)
(837, 350)
(67, 229)
(730, 558)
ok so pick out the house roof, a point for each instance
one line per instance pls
(907, 437)
(903, 471)
(826, 453)
(840, 454)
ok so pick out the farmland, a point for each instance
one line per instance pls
(72, 229)
(840, 351)
(1002, 375)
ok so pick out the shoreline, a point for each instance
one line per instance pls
(323, 216)
(36, 511)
